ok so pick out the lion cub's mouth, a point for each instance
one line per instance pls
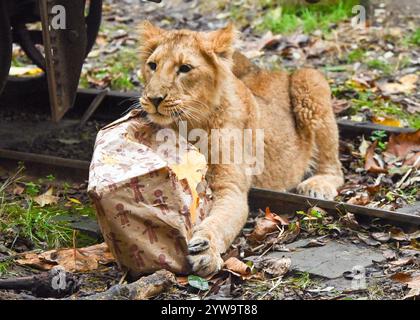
(160, 119)
(163, 115)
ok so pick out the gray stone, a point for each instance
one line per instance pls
(329, 261)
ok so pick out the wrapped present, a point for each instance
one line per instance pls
(147, 197)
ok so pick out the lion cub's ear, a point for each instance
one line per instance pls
(150, 37)
(222, 41)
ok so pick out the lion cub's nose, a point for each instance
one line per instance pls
(156, 100)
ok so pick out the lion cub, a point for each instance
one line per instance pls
(197, 77)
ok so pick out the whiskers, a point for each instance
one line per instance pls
(134, 104)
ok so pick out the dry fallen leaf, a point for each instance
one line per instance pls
(387, 121)
(405, 84)
(28, 71)
(276, 218)
(47, 198)
(371, 164)
(364, 146)
(266, 225)
(73, 260)
(401, 277)
(399, 235)
(340, 106)
(381, 236)
(277, 267)
(402, 262)
(349, 221)
(414, 286)
(237, 267)
(413, 283)
(192, 167)
(369, 241)
(360, 199)
(18, 190)
(405, 146)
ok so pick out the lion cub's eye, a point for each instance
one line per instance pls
(152, 66)
(185, 68)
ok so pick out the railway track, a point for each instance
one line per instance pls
(108, 106)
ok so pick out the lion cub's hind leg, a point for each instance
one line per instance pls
(311, 98)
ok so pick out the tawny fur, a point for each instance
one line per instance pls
(225, 90)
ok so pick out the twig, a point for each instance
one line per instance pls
(142, 289)
(278, 283)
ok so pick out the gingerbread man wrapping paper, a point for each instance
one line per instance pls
(147, 200)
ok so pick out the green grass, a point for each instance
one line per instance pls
(301, 281)
(382, 107)
(289, 18)
(415, 37)
(46, 227)
(118, 67)
(380, 65)
(356, 55)
(5, 267)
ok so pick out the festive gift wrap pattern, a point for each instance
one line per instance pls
(147, 201)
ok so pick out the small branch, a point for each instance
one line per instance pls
(143, 289)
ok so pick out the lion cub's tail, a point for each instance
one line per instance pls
(311, 99)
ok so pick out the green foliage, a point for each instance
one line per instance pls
(301, 281)
(380, 65)
(46, 227)
(32, 189)
(378, 105)
(355, 55)
(198, 283)
(380, 136)
(310, 17)
(5, 267)
(415, 37)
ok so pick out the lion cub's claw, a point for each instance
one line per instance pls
(317, 187)
(203, 259)
(197, 245)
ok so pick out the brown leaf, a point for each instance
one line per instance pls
(401, 277)
(405, 84)
(18, 190)
(73, 260)
(381, 236)
(369, 241)
(237, 267)
(389, 254)
(402, 262)
(387, 121)
(277, 267)
(47, 198)
(339, 106)
(414, 285)
(349, 221)
(266, 225)
(360, 199)
(276, 218)
(405, 146)
(371, 164)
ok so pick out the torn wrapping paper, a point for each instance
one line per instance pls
(147, 198)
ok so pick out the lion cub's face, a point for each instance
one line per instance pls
(181, 69)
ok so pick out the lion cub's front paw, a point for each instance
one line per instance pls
(203, 257)
(318, 187)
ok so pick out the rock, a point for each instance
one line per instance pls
(329, 261)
